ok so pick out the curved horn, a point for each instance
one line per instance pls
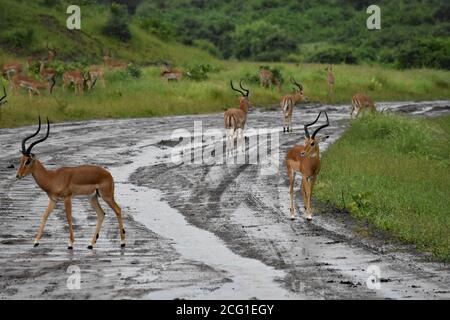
(232, 87)
(321, 127)
(24, 151)
(247, 92)
(40, 140)
(299, 85)
(310, 124)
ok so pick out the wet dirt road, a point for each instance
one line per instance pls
(195, 230)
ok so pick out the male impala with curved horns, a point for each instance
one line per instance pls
(66, 183)
(305, 159)
(235, 119)
(288, 102)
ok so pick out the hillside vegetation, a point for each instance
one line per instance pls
(26, 27)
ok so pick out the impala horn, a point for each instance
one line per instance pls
(310, 124)
(299, 85)
(321, 127)
(27, 152)
(246, 91)
(232, 87)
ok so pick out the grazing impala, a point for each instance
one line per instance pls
(171, 74)
(76, 77)
(267, 79)
(96, 73)
(330, 80)
(22, 81)
(114, 64)
(66, 183)
(361, 102)
(305, 159)
(235, 119)
(10, 69)
(288, 103)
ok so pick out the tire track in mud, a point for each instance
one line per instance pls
(244, 208)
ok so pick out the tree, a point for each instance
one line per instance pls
(117, 24)
(262, 41)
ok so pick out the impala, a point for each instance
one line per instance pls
(235, 119)
(96, 72)
(22, 81)
(76, 77)
(360, 102)
(36, 58)
(68, 182)
(114, 64)
(267, 79)
(10, 69)
(288, 103)
(171, 74)
(48, 74)
(305, 159)
(330, 80)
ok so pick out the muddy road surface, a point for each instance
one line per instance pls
(209, 227)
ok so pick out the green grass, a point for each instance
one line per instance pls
(149, 96)
(394, 171)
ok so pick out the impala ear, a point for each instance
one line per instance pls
(321, 138)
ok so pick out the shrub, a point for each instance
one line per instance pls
(199, 72)
(333, 55)
(261, 41)
(117, 24)
(19, 39)
(430, 53)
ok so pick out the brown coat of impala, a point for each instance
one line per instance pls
(22, 81)
(77, 78)
(288, 103)
(65, 183)
(360, 102)
(305, 159)
(267, 79)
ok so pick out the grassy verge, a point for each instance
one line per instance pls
(394, 172)
(148, 96)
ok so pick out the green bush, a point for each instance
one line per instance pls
(117, 24)
(429, 53)
(199, 72)
(19, 39)
(333, 55)
(261, 41)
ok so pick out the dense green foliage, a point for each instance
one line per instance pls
(328, 31)
(414, 33)
(394, 171)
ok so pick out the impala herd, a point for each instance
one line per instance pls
(14, 73)
(65, 183)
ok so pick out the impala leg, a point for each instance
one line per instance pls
(112, 203)
(303, 187)
(241, 140)
(291, 192)
(50, 208)
(309, 187)
(68, 209)
(100, 217)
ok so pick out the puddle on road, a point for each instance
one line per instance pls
(250, 278)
